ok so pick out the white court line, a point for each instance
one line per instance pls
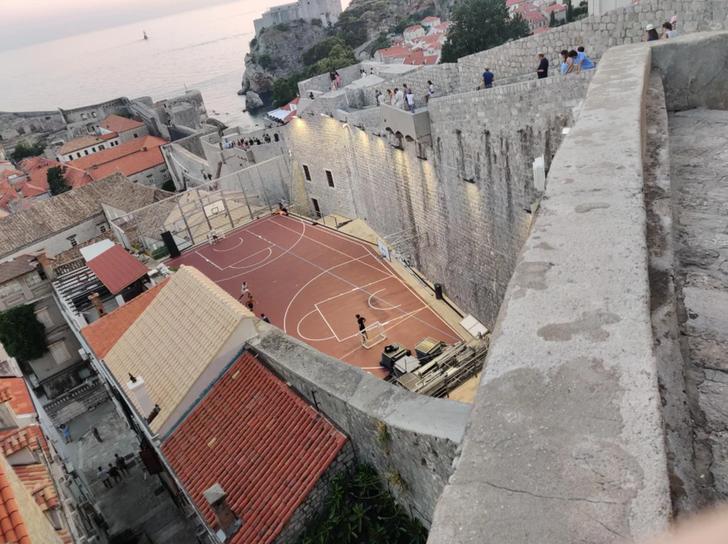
(304, 337)
(387, 268)
(209, 261)
(240, 243)
(402, 320)
(259, 261)
(373, 307)
(300, 237)
(319, 242)
(323, 271)
(360, 288)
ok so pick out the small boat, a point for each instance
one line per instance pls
(145, 34)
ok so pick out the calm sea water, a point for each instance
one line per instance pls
(202, 49)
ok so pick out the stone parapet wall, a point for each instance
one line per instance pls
(566, 433)
(595, 33)
(410, 440)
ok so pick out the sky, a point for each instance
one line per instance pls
(25, 22)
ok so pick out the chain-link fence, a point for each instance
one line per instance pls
(220, 205)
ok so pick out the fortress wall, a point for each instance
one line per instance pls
(463, 235)
(566, 433)
(411, 440)
(595, 33)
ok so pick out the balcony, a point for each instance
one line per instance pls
(406, 125)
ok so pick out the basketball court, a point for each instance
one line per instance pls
(311, 282)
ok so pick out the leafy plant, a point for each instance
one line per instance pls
(24, 149)
(169, 186)
(478, 25)
(159, 253)
(23, 336)
(359, 510)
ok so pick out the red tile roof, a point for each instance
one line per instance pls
(119, 124)
(104, 333)
(12, 526)
(394, 52)
(555, 8)
(262, 443)
(84, 142)
(15, 440)
(117, 269)
(129, 158)
(14, 391)
(37, 170)
(37, 480)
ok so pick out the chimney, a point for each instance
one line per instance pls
(226, 519)
(138, 390)
(95, 299)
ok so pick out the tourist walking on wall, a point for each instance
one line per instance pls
(488, 79)
(430, 91)
(337, 80)
(398, 98)
(362, 323)
(566, 63)
(668, 31)
(410, 97)
(651, 34)
(583, 60)
(574, 65)
(114, 473)
(243, 290)
(543, 66)
(379, 97)
(390, 97)
(332, 77)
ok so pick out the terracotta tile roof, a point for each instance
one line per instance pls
(37, 481)
(24, 264)
(262, 443)
(15, 391)
(83, 142)
(176, 338)
(119, 124)
(394, 52)
(129, 158)
(413, 28)
(104, 333)
(14, 440)
(36, 169)
(47, 217)
(117, 269)
(22, 521)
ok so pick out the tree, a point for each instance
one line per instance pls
(23, 336)
(57, 181)
(285, 89)
(24, 150)
(169, 186)
(479, 25)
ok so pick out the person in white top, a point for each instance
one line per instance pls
(410, 97)
(398, 98)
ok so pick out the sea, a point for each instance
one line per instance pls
(203, 49)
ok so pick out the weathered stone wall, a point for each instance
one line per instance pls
(410, 440)
(463, 235)
(566, 433)
(595, 33)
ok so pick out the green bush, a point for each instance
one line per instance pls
(160, 253)
(22, 335)
(360, 511)
(24, 149)
(57, 180)
(169, 186)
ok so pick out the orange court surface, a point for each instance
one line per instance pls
(311, 282)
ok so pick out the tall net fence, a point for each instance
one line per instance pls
(218, 206)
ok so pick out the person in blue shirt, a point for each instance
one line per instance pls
(565, 67)
(584, 62)
(488, 78)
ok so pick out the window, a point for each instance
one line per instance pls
(329, 178)
(33, 279)
(83, 116)
(93, 114)
(306, 173)
(44, 317)
(78, 155)
(59, 352)
(102, 227)
(135, 135)
(73, 241)
(85, 151)
(101, 147)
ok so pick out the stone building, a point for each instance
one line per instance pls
(325, 11)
